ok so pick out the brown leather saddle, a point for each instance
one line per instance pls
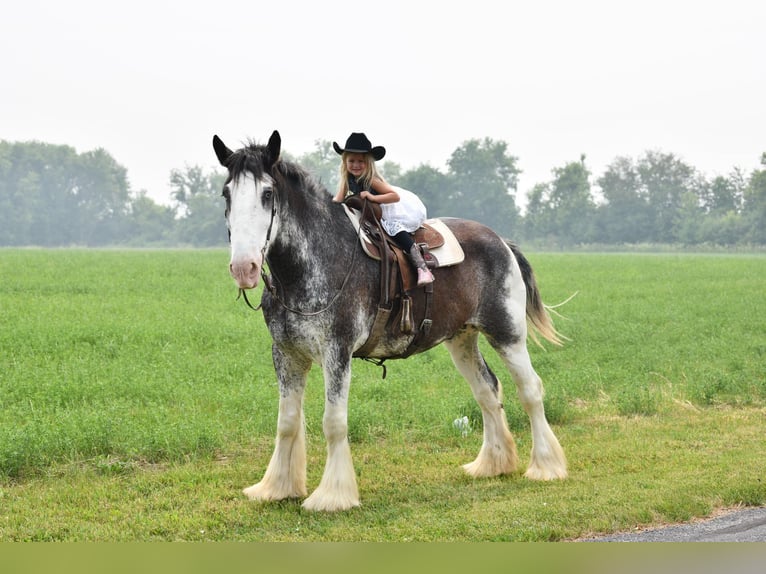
(396, 310)
(426, 237)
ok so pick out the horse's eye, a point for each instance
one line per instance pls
(268, 192)
(225, 193)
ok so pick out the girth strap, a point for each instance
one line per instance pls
(378, 331)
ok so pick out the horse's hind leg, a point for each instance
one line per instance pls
(285, 477)
(498, 450)
(547, 461)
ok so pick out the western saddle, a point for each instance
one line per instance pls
(396, 307)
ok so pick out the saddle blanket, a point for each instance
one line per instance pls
(446, 254)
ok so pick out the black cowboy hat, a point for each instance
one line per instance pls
(358, 143)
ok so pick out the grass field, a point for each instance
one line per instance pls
(137, 398)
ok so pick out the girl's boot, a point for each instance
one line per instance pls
(424, 273)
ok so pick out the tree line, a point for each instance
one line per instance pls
(50, 195)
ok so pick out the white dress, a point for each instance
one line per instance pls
(407, 214)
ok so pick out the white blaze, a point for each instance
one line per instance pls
(249, 220)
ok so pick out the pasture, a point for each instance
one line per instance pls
(137, 399)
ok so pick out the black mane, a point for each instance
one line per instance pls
(252, 158)
(256, 159)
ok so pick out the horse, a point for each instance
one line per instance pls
(320, 305)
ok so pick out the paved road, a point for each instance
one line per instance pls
(741, 525)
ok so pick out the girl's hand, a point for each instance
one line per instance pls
(365, 195)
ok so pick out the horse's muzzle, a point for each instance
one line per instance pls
(246, 271)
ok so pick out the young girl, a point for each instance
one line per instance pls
(402, 210)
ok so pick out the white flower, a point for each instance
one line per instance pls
(463, 425)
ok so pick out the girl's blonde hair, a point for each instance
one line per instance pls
(369, 174)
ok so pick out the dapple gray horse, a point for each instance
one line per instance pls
(320, 305)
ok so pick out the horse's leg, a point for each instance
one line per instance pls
(547, 461)
(337, 490)
(498, 449)
(285, 477)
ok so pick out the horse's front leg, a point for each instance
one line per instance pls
(337, 489)
(285, 477)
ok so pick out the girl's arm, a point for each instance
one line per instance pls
(385, 193)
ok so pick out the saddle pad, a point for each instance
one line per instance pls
(450, 253)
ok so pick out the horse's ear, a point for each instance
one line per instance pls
(221, 150)
(274, 146)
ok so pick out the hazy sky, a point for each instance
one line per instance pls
(151, 82)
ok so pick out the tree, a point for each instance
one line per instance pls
(690, 214)
(724, 194)
(101, 195)
(571, 203)
(431, 185)
(539, 219)
(51, 195)
(17, 211)
(665, 180)
(755, 205)
(484, 180)
(199, 207)
(37, 184)
(626, 215)
(323, 163)
(712, 211)
(148, 223)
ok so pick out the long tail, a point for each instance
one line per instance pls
(537, 312)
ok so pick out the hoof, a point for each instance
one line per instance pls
(262, 492)
(321, 503)
(535, 473)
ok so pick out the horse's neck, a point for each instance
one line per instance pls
(310, 246)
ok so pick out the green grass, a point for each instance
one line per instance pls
(137, 398)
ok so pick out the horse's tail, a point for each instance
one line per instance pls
(537, 312)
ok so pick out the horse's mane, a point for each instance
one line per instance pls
(254, 158)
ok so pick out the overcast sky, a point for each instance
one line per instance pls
(151, 82)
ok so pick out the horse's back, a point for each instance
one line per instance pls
(476, 291)
(487, 255)
(469, 232)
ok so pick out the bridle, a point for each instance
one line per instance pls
(269, 284)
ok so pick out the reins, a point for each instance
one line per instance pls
(270, 286)
(243, 294)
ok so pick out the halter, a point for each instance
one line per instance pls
(270, 285)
